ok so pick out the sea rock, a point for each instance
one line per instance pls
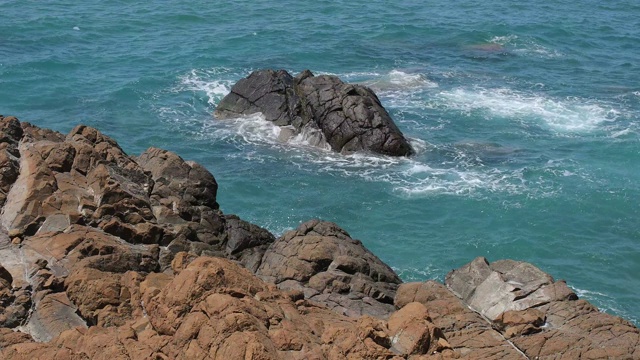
(213, 308)
(322, 260)
(105, 256)
(10, 135)
(543, 318)
(350, 117)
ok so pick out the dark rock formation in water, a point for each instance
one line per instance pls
(107, 256)
(349, 117)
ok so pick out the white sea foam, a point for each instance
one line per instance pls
(588, 293)
(200, 80)
(621, 133)
(429, 272)
(460, 174)
(250, 129)
(503, 40)
(570, 114)
(458, 181)
(604, 302)
(310, 137)
(457, 171)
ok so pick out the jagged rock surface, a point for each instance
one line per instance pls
(349, 117)
(327, 265)
(543, 318)
(105, 256)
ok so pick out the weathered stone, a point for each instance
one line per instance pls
(316, 255)
(518, 297)
(348, 117)
(53, 314)
(513, 285)
(412, 332)
(466, 332)
(111, 259)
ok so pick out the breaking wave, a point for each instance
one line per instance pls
(470, 169)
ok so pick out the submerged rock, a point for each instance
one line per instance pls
(350, 117)
(106, 256)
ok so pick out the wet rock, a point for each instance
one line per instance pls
(10, 135)
(174, 177)
(269, 92)
(246, 242)
(349, 117)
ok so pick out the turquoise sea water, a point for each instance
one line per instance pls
(526, 118)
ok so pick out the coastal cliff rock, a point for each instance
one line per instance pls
(540, 316)
(328, 266)
(108, 256)
(347, 117)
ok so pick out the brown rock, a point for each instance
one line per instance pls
(412, 332)
(519, 297)
(333, 268)
(9, 337)
(110, 265)
(466, 332)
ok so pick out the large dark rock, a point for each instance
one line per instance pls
(349, 117)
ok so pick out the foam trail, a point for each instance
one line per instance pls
(458, 172)
(569, 115)
(524, 46)
(604, 302)
(215, 89)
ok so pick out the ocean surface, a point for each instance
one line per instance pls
(525, 117)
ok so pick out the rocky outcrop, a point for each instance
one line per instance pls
(106, 256)
(328, 266)
(543, 318)
(347, 117)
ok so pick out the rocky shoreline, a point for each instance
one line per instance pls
(109, 256)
